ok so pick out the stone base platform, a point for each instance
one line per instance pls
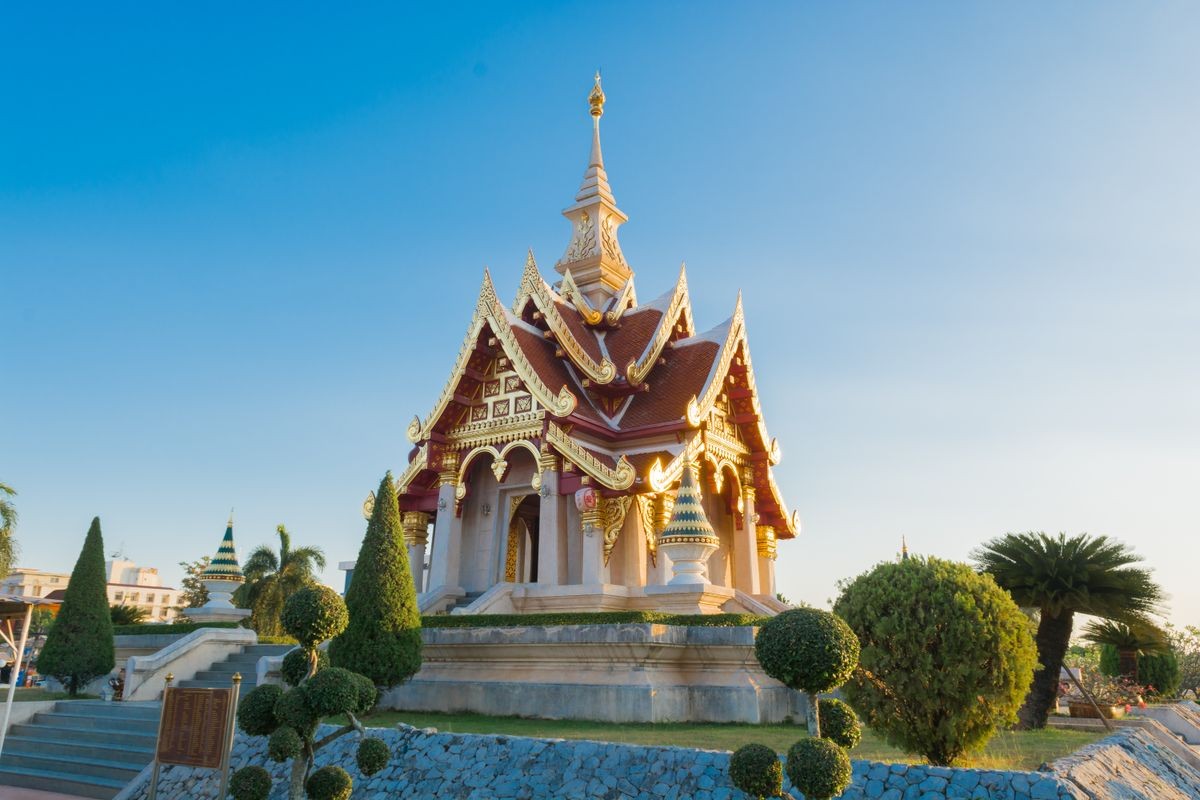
(614, 673)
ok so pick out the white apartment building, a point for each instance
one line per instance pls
(128, 585)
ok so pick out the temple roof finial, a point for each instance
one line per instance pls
(903, 548)
(596, 98)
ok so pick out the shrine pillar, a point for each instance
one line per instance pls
(447, 530)
(766, 560)
(745, 543)
(552, 518)
(592, 572)
(416, 535)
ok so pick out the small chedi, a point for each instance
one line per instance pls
(548, 468)
(221, 578)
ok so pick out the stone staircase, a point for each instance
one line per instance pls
(90, 748)
(87, 748)
(463, 602)
(219, 675)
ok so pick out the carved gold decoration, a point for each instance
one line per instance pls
(663, 477)
(680, 306)
(766, 542)
(570, 291)
(414, 429)
(368, 506)
(608, 240)
(625, 300)
(499, 469)
(621, 476)
(774, 454)
(583, 243)
(420, 462)
(416, 527)
(613, 511)
(513, 542)
(646, 514)
(495, 432)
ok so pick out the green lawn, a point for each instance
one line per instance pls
(34, 695)
(1007, 750)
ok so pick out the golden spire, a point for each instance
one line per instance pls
(903, 548)
(596, 98)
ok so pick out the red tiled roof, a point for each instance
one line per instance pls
(579, 330)
(628, 342)
(552, 370)
(672, 385)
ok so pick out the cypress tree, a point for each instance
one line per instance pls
(383, 639)
(79, 647)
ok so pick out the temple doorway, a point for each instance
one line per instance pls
(521, 551)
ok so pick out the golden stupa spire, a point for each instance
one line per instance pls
(596, 99)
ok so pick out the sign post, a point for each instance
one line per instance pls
(196, 730)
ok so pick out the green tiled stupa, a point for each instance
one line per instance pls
(688, 521)
(224, 567)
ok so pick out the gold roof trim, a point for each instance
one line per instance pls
(420, 462)
(533, 287)
(571, 292)
(681, 304)
(619, 477)
(490, 312)
(662, 478)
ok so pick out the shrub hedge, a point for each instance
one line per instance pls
(589, 618)
(839, 723)
(757, 771)
(818, 768)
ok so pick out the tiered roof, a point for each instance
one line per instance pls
(628, 393)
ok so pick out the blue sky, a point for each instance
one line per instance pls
(239, 247)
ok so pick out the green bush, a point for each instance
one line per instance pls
(1159, 673)
(807, 649)
(372, 755)
(946, 655)
(293, 709)
(332, 691)
(256, 713)
(756, 770)
(79, 647)
(295, 665)
(368, 694)
(383, 639)
(174, 628)
(328, 783)
(314, 614)
(284, 743)
(250, 783)
(839, 723)
(818, 768)
(590, 618)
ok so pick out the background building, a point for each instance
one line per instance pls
(128, 585)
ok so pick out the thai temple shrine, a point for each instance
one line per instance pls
(550, 465)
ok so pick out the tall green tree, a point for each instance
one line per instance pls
(383, 639)
(8, 523)
(271, 578)
(194, 593)
(1060, 577)
(79, 647)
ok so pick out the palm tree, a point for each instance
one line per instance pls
(1061, 577)
(8, 521)
(1130, 640)
(271, 578)
(128, 615)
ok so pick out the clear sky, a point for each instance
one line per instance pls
(240, 245)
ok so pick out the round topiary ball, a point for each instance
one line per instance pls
(295, 665)
(256, 714)
(756, 770)
(332, 691)
(807, 649)
(250, 783)
(293, 709)
(284, 744)
(372, 756)
(839, 723)
(329, 783)
(818, 768)
(314, 614)
(368, 694)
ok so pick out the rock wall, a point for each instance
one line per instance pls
(1129, 765)
(427, 764)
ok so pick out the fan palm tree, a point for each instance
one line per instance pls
(1061, 577)
(8, 521)
(271, 578)
(1130, 640)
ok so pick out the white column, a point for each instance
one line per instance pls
(447, 541)
(593, 570)
(416, 536)
(745, 546)
(551, 526)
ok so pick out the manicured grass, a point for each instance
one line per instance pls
(37, 695)
(1007, 750)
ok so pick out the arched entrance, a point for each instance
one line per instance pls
(521, 550)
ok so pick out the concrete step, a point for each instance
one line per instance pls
(218, 683)
(63, 719)
(101, 736)
(76, 765)
(260, 650)
(133, 755)
(223, 679)
(60, 782)
(99, 708)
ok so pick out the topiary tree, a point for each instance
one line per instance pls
(250, 783)
(79, 647)
(809, 650)
(755, 769)
(839, 723)
(946, 655)
(383, 639)
(818, 768)
(290, 717)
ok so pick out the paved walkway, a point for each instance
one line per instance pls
(14, 793)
